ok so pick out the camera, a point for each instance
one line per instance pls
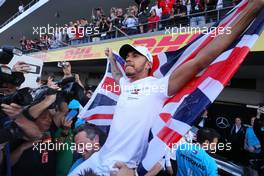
(7, 76)
(69, 90)
(63, 64)
(22, 97)
(7, 53)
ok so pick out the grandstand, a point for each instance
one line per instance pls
(247, 82)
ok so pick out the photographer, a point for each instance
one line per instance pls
(48, 120)
(104, 27)
(67, 73)
(116, 22)
(12, 101)
(131, 23)
(97, 15)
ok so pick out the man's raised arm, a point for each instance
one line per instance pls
(209, 53)
(114, 69)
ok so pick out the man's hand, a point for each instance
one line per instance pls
(109, 53)
(257, 2)
(51, 84)
(115, 70)
(13, 110)
(21, 67)
(77, 78)
(66, 124)
(123, 170)
(261, 110)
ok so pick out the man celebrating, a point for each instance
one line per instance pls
(142, 96)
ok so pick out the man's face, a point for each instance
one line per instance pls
(238, 121)
(213, 145)
(136, 63)
(85, 146)
(119, 12)
(252, 121)
(98, 12)
(67, 69)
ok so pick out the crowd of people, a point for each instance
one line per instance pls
(42, 134)
(43, 121)
(46, 138)
(141, 18)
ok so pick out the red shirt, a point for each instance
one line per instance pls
(166, 6)
(79, 33)
(153, 19)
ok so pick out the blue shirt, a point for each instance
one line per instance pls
(251, 139)
(76, 164)
(192, 160)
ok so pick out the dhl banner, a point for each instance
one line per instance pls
(259, 45)
(155, 44)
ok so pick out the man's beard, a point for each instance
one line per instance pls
(138, 70)
(130, 74)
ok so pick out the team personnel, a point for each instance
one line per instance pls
(192, 159)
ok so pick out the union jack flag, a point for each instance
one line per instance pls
(183, 110)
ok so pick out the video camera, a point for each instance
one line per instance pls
(7, 53)
(21, 97)
(63, 64)
(7, 76)
(70, 90)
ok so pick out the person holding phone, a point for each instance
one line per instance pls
(67, 72)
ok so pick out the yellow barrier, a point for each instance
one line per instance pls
(155, 44)
(259, 45)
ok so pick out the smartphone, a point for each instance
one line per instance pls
(34, 69)
(71, 114)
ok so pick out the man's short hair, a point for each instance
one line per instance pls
(209, 134)
(91, 131)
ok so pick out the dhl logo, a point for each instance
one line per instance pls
(166, 43)
(81, 53)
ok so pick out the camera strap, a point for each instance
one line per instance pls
(28, 115)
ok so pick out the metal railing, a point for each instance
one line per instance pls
(215, 14)
(18, 13)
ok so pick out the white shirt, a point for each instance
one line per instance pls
(158, 10)
(71, 32)
(237, 128)
(139, 104)
(131, 22)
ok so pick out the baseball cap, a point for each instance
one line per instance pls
(141, 49)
